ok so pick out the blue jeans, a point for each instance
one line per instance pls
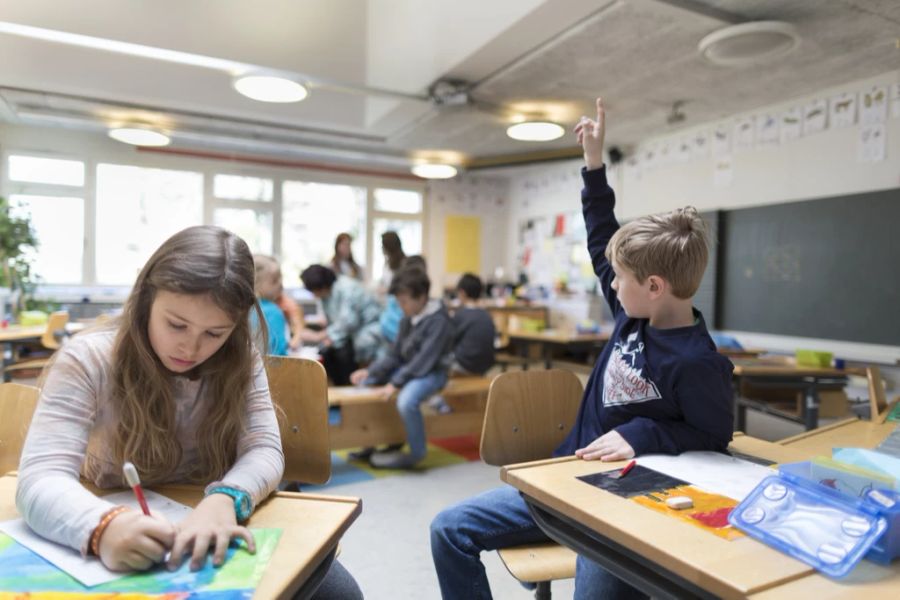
(497, 519)
(411, 395)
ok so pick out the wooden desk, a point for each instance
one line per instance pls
(14, 335)
(312, 526)
(501, 316)
(664, 557)
(850, 432)
(550, 338)
(807, 380)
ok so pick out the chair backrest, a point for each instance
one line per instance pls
(878, 404)
(299, 388)
(17, 404)
(56, 330)
(528, 414)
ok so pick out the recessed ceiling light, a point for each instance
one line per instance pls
(535, 131)
(268, 88)
(434, 171)
(139, 137)
(749, 43)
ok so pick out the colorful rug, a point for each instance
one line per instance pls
(441, 453)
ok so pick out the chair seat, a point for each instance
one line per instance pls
(26, 367)
(539, 562)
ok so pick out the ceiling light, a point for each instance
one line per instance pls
(139, 137)
(268, 88)
(535, 131)
(434, 171)
(749, 43)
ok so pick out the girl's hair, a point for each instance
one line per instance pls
(215, 263)
(336, 261)
(393, 249)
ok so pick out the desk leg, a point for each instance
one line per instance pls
(740, 409)
(625, 564)
(548, 356)
(811, 407)
(315, 579)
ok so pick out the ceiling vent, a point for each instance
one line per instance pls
(749, 43)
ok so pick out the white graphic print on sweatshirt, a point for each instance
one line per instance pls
(623, 382)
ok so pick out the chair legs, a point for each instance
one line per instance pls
(543, 591)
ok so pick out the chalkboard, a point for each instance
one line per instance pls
(827, 268)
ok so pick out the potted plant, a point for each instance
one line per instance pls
(17, 238)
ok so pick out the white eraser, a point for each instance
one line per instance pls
(679, 502)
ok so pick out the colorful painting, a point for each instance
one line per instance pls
(21, 570)
(710, 511)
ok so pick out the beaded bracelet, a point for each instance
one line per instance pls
(105, 520)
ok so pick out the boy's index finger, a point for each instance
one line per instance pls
(600, 111)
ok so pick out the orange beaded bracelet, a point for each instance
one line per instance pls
(105, 520)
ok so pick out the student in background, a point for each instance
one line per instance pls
(295, 320)
(268, 289)
(342, 263)
(659, 386)
(392, 313)
(353, 335)
(416, 367)
(392, 248)
(176, 386)
(473, 330)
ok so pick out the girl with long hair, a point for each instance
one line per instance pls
(342, 262)
(177, 387)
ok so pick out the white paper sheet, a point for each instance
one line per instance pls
(90, 571)
(711, 471)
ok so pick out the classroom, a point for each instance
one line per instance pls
(436, 300)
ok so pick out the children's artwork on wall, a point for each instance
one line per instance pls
(723, 172)
(721, 145)
(462, 244)
(700, 144)
(815, 117)
(791, 124)
(842, 110)
(22, 570)
(743, 134)
(872, 142)
(873, 106)
(767, 130)
(895, 100)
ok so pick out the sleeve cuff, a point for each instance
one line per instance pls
(594, 178)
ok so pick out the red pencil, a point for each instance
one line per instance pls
(627, 468)
(131, 476)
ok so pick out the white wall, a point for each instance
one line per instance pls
(819, 165)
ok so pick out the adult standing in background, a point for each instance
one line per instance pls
(393, 258)
(342, 263)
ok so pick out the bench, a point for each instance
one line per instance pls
(368, 420)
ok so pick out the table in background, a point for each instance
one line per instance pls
(15, 335)
(549, 339)
(311, 527)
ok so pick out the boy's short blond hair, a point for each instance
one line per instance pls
(264, 266)
(672, 245)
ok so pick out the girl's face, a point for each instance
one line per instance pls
(343, 248)
(185, 330)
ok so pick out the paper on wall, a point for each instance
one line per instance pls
(843, 110)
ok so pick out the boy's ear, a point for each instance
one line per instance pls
(657, 286)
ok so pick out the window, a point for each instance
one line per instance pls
(313, 214)
(137, 210)
(53, 171)
(58, 224)
(253, 226)
(398, 201)
(237, 187)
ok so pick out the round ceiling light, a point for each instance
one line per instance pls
(434, 171)
(535, 131)
(749, 43)
(267, 88)
(139, 137)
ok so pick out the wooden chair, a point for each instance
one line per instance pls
(528, 415)
(879, 407)
(299, 388)
(51, 341)
(17, 404)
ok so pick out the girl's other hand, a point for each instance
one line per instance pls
(211, 525)
(133, 541)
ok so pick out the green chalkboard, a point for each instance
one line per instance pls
(827, 268)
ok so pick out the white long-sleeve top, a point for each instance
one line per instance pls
(72, 429)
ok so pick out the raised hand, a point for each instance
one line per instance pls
(590, 134)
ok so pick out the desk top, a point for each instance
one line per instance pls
(18, 333)
(769, 370)
(312, 526)
(726, 568)
(850, 432)
(351, 394)
(558, 336)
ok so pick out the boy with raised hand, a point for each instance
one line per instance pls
(659, 385)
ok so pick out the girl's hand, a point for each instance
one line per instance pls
(211, 525)
(590, 135)
(358, 376)
(133, 541)
(387, 392)
(607, 447)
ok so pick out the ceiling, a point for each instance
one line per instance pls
(371, 65)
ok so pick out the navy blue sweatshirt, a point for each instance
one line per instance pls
(663, 390)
